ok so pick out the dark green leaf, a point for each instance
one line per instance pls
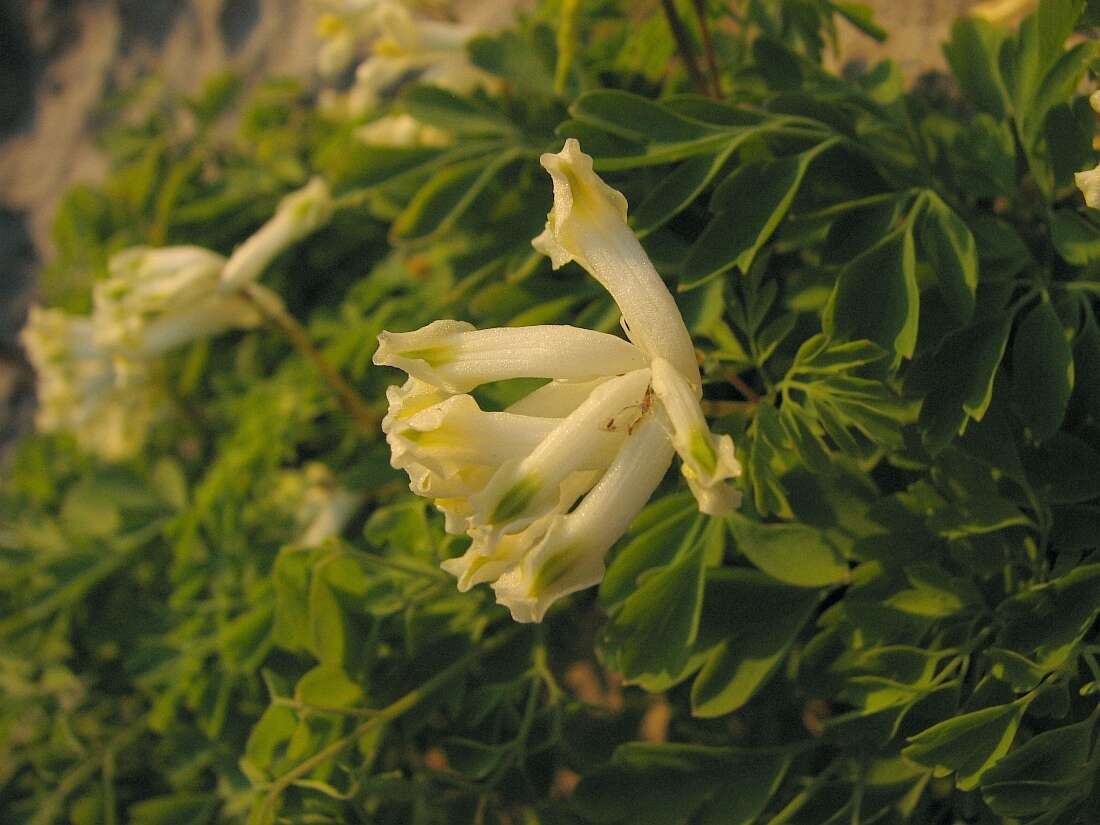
(1042, 371)
(876, 297)
(951, 251)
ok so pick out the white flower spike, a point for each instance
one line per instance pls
(298, 215)
(546, 488)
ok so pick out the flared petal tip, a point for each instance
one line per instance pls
(1089, 184)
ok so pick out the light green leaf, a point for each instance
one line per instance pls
(791, 553)
(969, 744)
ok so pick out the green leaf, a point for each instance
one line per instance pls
(876, 297)
(1055, 20)
(1076, 238)
(328, 687)
(861, 16)
(950, 249)
(439, 204)
(245, 641)
(958, 379)
(749, 205)
(649, 635)
(473, 758)
(1048, 770)
(526, 62)
(1042, 371)
(757, 620)
(666, 784)
(976, 515)
(1059, 84)
(791, 553)
(969, 744)
(1064, 470)
(656, 534)
(972, 53)
(679, 189)
(176, 809)
(448, 111)
(636, 118)
(1046, 622)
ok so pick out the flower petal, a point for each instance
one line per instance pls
(556, 399)
(570, 556)
(1089, 184)
(457, 357)
(523, 491)
(587, 224)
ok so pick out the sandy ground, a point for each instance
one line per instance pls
(59, 59)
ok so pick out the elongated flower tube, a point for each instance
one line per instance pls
(299, 214)
(523, 491)
(545, 488)
(571, 555)
(708, 460)
(588, 225)
(457, 357)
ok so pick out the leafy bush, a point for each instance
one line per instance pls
(893, 296)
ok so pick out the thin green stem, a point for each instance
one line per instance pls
(683, 46)
(567, 44)
(354, 404)
(700, 9)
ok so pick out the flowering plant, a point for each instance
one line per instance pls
(785, 480)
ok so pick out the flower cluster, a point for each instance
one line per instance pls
(546, 487)
(96, 374)
(392, 44)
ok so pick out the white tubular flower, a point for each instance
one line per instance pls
(708, 460)
(159, 299)
(545, 488)
(432, 50)
(587, 224)
(525, 490)
(402, 131)
(455, 356)
(556, 399)
(1089, 180)
(1089, 184)
(108, 404)
(571, 555)
(456, 433)
(298, 215)
(479, 565)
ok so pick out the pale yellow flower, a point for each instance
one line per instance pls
(545, 488)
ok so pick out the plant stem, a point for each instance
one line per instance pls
(385, 715)
(683, 45)
(277, 316)
(567, 44)
(739, 383)
(708, 47)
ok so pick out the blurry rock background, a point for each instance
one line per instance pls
(61, 59)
